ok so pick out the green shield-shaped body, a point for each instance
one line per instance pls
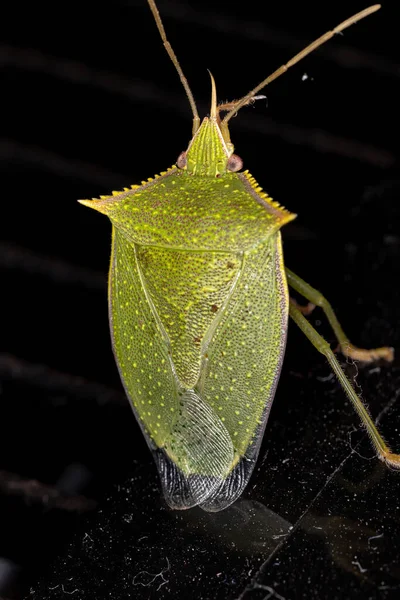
(198, 312)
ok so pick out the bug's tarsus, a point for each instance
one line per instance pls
(366, 355)
(226, 106)
(391, 459)
(298, 57)
(175, 61)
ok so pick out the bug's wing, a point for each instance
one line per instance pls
(251, 337)
(232, 487)
(201, 438)
(193, 448)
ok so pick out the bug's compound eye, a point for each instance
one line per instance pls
(182, 160)
(235, 163)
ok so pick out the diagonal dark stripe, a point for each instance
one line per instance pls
(74, 387)
(36, 492)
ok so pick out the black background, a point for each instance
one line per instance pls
(90, 103)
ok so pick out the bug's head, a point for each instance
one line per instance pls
(210, 152)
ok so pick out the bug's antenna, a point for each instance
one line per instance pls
(310, 48)
(172, 55)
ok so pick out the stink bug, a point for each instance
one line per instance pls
(199, 308)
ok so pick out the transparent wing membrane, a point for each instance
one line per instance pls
(201, 447)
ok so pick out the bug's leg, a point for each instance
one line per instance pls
(383, 451)
(346, 347)
(231, 105)
(228, 106)
(305, 309)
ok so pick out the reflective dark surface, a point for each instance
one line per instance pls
(320, 517)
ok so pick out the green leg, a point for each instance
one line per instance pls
(382, 450)
(346, 347)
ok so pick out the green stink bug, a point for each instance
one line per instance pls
(199, 307)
